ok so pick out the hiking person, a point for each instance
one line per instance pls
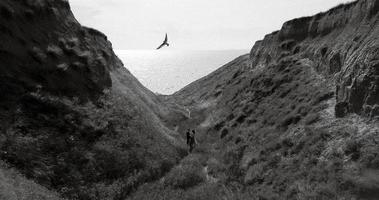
(193, 141)
(188, 136)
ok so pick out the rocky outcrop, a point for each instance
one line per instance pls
(44, 48)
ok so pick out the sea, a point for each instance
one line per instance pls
(167, 71)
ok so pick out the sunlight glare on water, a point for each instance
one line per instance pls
(167, 71)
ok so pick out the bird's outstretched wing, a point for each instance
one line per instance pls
(165, 39)
(160, 46)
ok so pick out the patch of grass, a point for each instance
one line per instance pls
(187, 174)
(14, 186)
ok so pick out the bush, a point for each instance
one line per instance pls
(353, 148)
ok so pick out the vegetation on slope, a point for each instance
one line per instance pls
(75, 121)
(14, 186)
(72, 118)
(296, 119)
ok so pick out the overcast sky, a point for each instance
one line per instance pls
(191, 24)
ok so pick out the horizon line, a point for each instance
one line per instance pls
(120, 50)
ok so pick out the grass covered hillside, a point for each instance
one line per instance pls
(295, 119)
(14, 186)
(72, 118)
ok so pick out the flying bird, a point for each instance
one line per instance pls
(164, 43)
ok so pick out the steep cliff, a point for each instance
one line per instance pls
(72, 118)
(342, 43)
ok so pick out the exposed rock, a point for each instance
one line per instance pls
(54, 51)
(355, 61)
(335, 64)
(63, 66)
(38, 55)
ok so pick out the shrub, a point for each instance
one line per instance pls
(224, 132)
(353, 148)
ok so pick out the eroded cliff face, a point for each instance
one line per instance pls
(343, 43)
(44, 47)
(72, 118)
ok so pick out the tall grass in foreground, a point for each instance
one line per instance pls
(13, 186)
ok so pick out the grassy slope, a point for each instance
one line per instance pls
(14, 186)
(72, 118)
(267, 123)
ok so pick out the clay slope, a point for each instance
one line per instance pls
(72, 118)
(297, 118)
